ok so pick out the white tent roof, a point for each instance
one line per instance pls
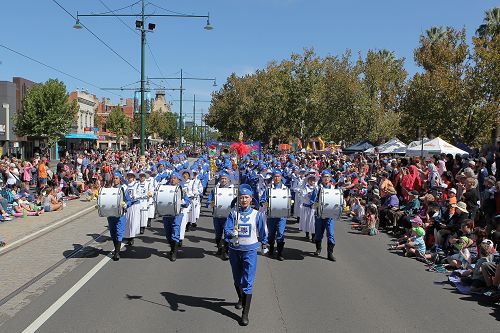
(431, 147)
(393, 146)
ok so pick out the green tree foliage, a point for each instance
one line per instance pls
(119, 124)
(456, 95)
(46, 112)
(163, 124)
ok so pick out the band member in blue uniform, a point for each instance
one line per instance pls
(245, 228)
(327, 224)
(219, 221)
(172, 224)
(276, 226)
(116, 224)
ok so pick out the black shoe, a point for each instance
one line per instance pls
(281, 245)
(180, 243)
(142, 230)
(313, 238)
(307, 236)
(173, 251)
(247, 300)
(330, 252)
(318, 248)
(239, 305)
(193, 227)
(116, 253)
(130, 242)
(225, 248)
(271, 249)
(188, 226)
(149, 223)
(219, 248)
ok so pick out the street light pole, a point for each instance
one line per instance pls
(194, 120)
(180, 115)
(143, 46)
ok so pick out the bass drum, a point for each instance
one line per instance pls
(331, 203)
(168, 200)
(223, 196)
(109, 201)
(280, 203)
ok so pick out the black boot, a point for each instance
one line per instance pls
(219, 247)
(247, 300)
(116, 253)
(307, 236)
(130, 242)
(224, 251)
(318, 248)
(149, 223)
(142, 230)
(281, 245)
(173, 251)
(330, 252)
(271, 249)
(239, 305)
(188, 226)
(180, 243)
(313, 238)
(193, 226)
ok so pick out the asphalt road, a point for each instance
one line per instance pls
(368, 289)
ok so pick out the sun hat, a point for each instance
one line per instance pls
(419, 231)
(417, 220)
(453, 190)
(482, 160)
(462, 206)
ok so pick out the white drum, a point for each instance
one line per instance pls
(168, 200)
(331, 203)
(280, 202)
(109, 201)
(223, 197)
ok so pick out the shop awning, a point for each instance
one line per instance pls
(88, 136)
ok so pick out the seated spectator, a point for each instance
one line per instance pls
(49, 201)
(461, 259)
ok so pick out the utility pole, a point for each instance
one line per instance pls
(194, 120)
(180, 115)
(143, 46)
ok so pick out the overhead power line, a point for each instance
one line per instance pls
(53, 68)
(98, 38)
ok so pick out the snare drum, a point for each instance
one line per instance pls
(331, 202)
(109, 201)
(280, 203)
(168, 199)
(223, 196)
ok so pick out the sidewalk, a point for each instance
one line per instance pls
(19, 227)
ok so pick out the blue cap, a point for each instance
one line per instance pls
(245, 189)
(162, 162)
(276, 172)
(354, 174)
(175, 174)
(326, 172)
(117, 174)
(223, 174)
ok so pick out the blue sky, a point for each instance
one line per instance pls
(247, 35)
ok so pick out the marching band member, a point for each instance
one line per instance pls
(297, 185)
(307, 221)
(186, 189)
(196, 193)
(244, 227)
(172, 224)
(219, 221)
(276, 226)
(133, 214)
(144, 197)
(116, 224)
(151, 185)
(322, 224)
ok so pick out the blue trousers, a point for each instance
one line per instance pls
(321, 225)
(219, 228)
(276, 227)
(243, 266)
(172, 226)
(116, 225)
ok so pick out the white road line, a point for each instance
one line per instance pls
(9, 245)
(67, 295)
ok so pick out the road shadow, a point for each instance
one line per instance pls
(98, 238)
(187, 252)
(290, 254)
(150, 240)
(175, 302)
(197, 239)
(298, 238)
(141, 252)
(210, 231)
(292, 230)
(82, 251)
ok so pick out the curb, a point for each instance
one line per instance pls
(26, 239)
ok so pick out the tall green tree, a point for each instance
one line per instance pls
(46, 112)
(163, 124)
(119, 124)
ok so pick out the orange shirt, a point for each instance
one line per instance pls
(42, 170)
(452, 201)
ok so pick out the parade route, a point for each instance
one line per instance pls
(367, 289)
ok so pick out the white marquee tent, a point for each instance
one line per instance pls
(393, 146)
(432, 147)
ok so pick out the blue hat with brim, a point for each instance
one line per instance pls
(117, 174)
(245, 189)
(277, 172)
(175, 174)
(223, 174)
(326, 173)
